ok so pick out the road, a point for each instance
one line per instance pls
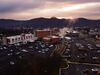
(76, 68)
(86, 55)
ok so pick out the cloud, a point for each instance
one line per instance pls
(74, 1)
(89, 10)
(18, 5)
(21, 9)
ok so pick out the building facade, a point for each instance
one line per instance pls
(42, 33)
(22, 38)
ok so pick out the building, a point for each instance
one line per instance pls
(55, 39)
(22, 38)
(43, 33)
(51, 39)
(47, 39)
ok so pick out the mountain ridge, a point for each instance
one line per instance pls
(50, 22)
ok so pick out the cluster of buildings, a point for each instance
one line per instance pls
(46, 35)
(90, 32)
(95, 33)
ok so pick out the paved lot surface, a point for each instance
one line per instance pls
(84, 54)
(79, 69)
(12, 55)
(82, 50)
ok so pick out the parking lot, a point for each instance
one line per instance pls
(83, 54)
(13, 54)
(82, 50)
(81, 69)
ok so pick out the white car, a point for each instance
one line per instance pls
(94, 57)
(98, 45)
(51, 46)
(43, 52)
(98, 51)
(12, 63)
(39, 51)
(23, 50)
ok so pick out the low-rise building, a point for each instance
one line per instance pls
(22, 38)
(51, 39)
(43, 33)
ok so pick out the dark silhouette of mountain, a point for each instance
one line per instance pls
(50, 22)
(87, 22)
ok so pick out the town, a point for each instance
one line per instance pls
(78, 47)
(49, 37)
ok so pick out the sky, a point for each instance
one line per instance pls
(28, 9)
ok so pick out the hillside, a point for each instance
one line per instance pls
(49, 22)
